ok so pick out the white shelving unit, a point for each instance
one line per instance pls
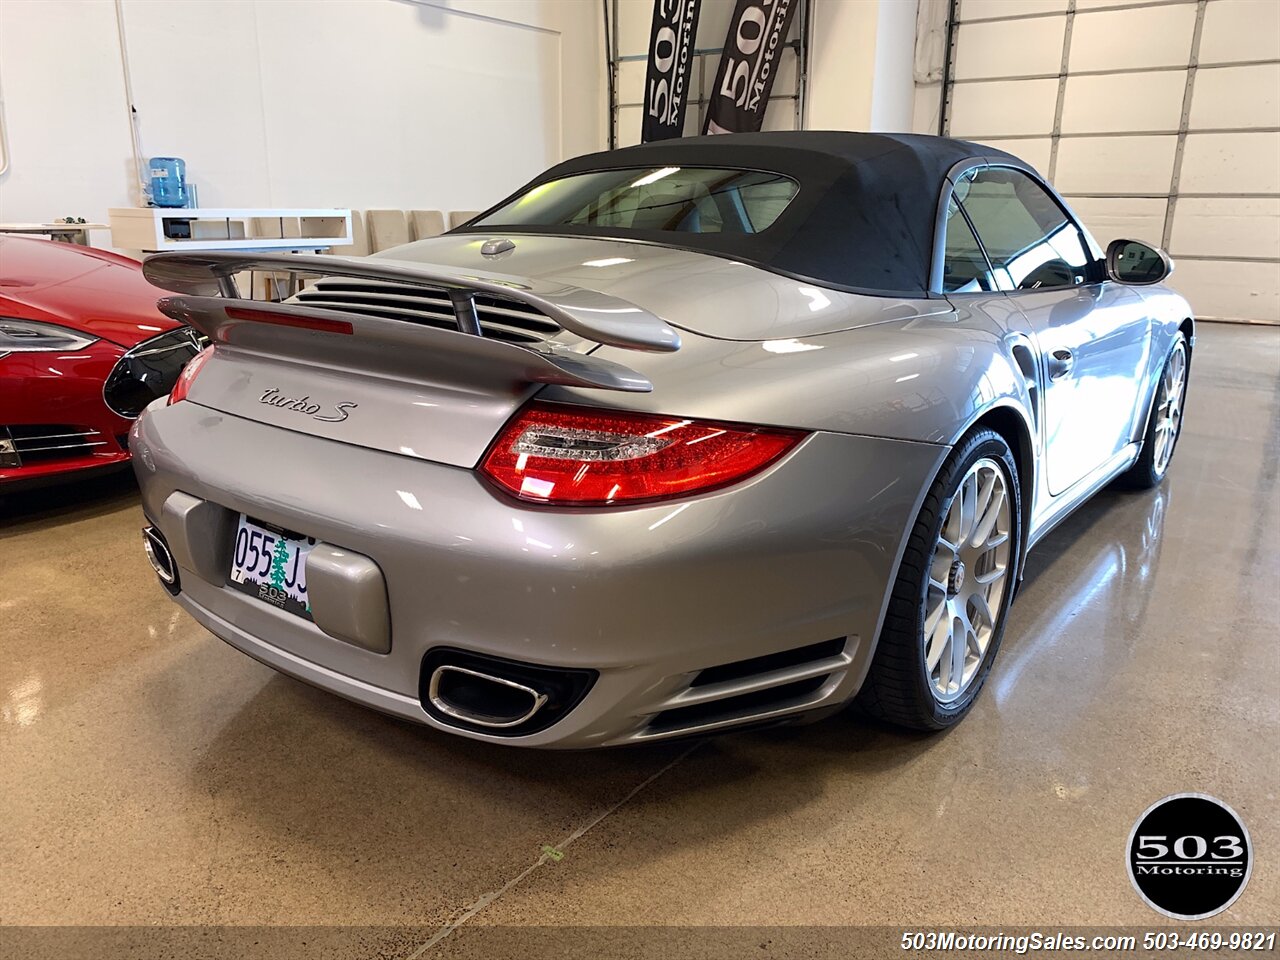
(153, 229)
(63, 232)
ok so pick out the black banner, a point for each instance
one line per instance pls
(675, 26)
(749, 65)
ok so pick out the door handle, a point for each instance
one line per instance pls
(1060, 364)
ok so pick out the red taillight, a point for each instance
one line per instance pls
(188, 375)
(567, 455)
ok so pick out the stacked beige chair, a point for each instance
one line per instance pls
(458, 217)
(426, 223)
(387, 229)
(274, 286)
(359, 245)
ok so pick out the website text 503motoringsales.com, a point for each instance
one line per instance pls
(916, 940)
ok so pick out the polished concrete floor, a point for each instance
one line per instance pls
(154, 776)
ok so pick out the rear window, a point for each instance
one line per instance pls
(675, 199)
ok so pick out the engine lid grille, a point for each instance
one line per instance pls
(500, 318)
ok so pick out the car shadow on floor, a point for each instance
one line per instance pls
(334, 777)
(67, 502)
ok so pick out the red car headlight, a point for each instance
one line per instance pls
(29, 336)
(580, 456)
(188, 376)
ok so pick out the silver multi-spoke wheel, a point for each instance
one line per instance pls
(968, 575)
(955, 580)
(1173, 386)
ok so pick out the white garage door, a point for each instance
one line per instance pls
(1158, 121)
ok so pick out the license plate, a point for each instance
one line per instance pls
(271, 565)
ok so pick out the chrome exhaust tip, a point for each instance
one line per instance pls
(481, 698)
(496, 696)
(159, 556)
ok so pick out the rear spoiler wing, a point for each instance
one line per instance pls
(391, 347)
(588, 313)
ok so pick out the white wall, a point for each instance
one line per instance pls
(842, 64)
(66, 126)
(443, 104)
(437, 104)
(861, 65)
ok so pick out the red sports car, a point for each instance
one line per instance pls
(82, 350)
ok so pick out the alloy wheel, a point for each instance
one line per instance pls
(968, 576)
(1173, 386)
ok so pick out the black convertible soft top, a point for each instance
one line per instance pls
(863, 219)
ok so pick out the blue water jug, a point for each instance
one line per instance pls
(168, 181)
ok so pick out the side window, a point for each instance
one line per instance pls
(1031, 243)
(964, 266)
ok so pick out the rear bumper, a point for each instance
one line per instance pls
(647, 597)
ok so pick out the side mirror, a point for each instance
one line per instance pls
(1132, 261)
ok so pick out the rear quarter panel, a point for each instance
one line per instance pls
(925, 379)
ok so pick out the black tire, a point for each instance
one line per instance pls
(1145, 474)
(897, 687)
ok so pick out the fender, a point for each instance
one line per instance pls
(1161, 342)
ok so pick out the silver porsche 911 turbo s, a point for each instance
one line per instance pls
(678, 438)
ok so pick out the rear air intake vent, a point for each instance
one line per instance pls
(772, 661)
(500, 318)
(754, 690)
(1027, 365)
(745, 706)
